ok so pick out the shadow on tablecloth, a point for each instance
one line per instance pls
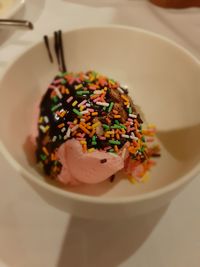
(105, 243)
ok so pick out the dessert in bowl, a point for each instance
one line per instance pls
(163, 79)
(87, 129)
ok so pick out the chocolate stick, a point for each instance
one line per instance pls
(57, 50)
(46, 41)
(62, 57)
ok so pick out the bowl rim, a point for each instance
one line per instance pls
(173, 186)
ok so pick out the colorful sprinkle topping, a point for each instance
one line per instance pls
(99, 113)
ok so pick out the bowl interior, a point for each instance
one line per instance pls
(164, 81)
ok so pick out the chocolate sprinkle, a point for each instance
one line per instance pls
(112, 178)
(103, 160)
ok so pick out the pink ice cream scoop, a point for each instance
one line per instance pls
(79, 167)
(87, 128)
(90, 168)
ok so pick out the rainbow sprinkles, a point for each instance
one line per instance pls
(99, 113)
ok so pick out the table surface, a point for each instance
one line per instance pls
(34, 234)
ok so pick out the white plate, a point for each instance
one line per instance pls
(8, 8)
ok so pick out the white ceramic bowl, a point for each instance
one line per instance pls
(165, 81)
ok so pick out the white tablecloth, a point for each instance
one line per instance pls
(33, 234)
